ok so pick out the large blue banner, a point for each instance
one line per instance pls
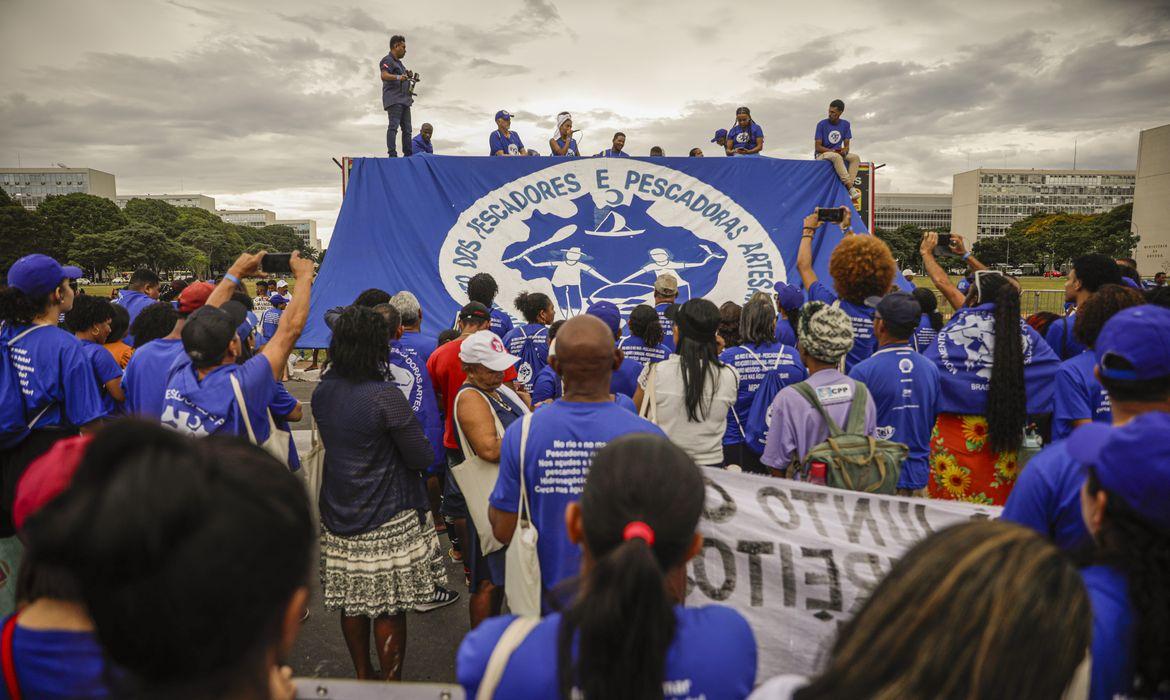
(578, 229)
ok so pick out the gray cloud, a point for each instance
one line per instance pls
(797, 64)
(494, 68)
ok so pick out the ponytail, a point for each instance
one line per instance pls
(644, 323)
(18, 308)
(1007, 408)
(622, 622)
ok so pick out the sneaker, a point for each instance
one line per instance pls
(456, 555)
(854, 193)
(442, 598)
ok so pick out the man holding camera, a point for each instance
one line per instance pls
(396, 95)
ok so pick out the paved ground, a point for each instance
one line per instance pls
(432, 638)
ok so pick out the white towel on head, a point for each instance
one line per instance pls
(561, 119)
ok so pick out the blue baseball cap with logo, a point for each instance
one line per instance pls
(277, 299)
(899, 308)
(503, 114)
(719, 134)
(38, 274)
(1131, 461)
(608, 312)
(1134, 345)
(789, 296)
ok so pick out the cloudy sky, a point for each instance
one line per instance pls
(248, 101)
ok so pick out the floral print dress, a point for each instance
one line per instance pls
(962, 465)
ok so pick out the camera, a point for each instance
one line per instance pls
(412, 77)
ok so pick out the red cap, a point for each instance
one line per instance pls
(194, 296)
(48, 476)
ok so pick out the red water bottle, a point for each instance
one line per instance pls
(816, 473)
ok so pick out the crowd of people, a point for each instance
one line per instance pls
(831, 137)
(148, 467)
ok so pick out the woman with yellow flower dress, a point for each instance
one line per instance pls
(995, 371)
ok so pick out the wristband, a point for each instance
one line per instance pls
(231, 278)
(809, 228)
(966, 255)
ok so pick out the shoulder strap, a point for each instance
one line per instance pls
(855, 422)
(463, 442)
(649, 408)
(759, 360)
(523, 506)
(7, 658)
(243, 407)
(509, 641)
(25, 332)
(809, 394)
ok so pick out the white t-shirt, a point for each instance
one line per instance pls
(703, 441)
(779, 688)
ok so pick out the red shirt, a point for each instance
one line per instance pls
(447, 375)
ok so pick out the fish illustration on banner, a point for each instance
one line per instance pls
(580, 230)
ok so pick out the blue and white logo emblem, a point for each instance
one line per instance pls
(586, 230)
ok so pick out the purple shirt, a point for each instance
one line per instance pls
(795, 427)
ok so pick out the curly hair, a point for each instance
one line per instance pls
(87, 312)
(644, 324)
(154, 322)
(358, 346)
(862, 267)
(1099, 308)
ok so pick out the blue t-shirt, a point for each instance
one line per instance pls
(284, 403)
(712, 656)
(573, 150)
(105, 368)
(501, 323)
(610, 153)
(634, 348)
(547, 385)
(625, 378)
(419, 145)
(409, 372)
(784, 332)
(1061, 339)
(860, 316)
(1047, 497)
(905, 389)
(751, 362)
(1113, 630)
(1078, 396)
(924, 334)
(512, 145)
(52, 664)
(54, 374)
(514, 342)
(739, 137)
(667, 324)
(134, 302)
(209, 406)
(145, 380)
(421, 343)
(562, 439)
(268, 323)
(833, 135)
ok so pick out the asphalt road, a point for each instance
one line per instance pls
(432, 638)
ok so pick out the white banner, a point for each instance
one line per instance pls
(797, 559)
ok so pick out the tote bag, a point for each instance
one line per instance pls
(278, 440)
(522, 584)
(477, 479)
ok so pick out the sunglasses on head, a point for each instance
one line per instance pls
(979, 275)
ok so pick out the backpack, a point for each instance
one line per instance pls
(531, 361)
(14, 422)
(853, 460)
(759, 417)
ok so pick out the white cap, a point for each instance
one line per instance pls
(907, 272)
(281, 283)
(485, 348)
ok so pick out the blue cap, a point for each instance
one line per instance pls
(38, 274)
(504, 114)
(899, 308)
(964, 285)
(609, 312)
(1129, 282)
(1138, 336)
(789, 296)
(1132, 462)
(719, 134)
(277, 299)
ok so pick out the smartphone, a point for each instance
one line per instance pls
(835, 215)
(943, 248)
(276, 262)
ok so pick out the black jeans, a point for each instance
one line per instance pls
(398, 115)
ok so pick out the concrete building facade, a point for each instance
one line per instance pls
(306, 229)
(1151, 201)
(30, 186)
(987, 201)
(927, 211)
(201, 201)
(256, 218)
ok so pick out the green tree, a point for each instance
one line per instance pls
(95, 252)
(142, 245)
(282, 239)
(5, 200)
(219, 247)
(153, 212)
(23, 232)
(79, 213)
(903, 242)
